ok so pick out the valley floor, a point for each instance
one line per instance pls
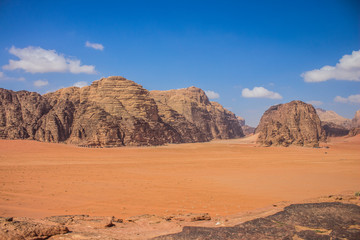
(221, 178)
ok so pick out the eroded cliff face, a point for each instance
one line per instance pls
(210, 118)
(292, 123)
(112, 111)
(355, 122)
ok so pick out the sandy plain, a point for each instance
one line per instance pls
(220, 177)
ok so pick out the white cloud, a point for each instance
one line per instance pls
(39, 60)
(41, 83)
(80, 84)
(212, 94)
(260, 92)
(96, 46)
(348, 68)
(349, 99)
(4, 77)
(315, 102)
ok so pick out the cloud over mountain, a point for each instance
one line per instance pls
(349, 99)
(348, 68)
(211, 94)
(39, 60)
(80, 84)
(41, 83)
(260, 92)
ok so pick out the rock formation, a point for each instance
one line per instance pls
(112, 111)
(334, 130)
(333, 117)
(292, 123)
(28, 229)
(355, 124)
(210, 118)
(247, 130)
(20, 113)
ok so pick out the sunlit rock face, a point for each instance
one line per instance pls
(293, 123)
(111, 112)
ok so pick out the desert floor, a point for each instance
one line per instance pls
(219, 177)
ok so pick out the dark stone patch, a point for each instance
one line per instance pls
(307, 221)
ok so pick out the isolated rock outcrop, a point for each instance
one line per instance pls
(210, 118)
(292, 123)
(247, 130)
(111, 111)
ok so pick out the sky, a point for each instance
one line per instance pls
(246, 55)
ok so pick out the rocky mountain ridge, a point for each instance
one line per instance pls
(210, 118)
(333, 117)
(114, 112)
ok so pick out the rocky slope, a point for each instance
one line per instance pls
(247, 130)
(292, 123)
(112, 111)
(210, 118)
(333, 117)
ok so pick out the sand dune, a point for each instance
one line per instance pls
(219, 177)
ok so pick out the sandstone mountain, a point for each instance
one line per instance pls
(292, 123)
(112, 111)
(247, 130)
(333, 117)
(355, 122)
(333, 124)
(210, 118)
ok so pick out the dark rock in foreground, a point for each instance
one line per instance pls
(299, 221)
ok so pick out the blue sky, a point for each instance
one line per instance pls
(251, 53)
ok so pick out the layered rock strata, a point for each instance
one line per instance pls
(210, 118)
(112, 111)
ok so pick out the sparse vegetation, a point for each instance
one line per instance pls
(357, 194)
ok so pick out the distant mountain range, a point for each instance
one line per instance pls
(114, 112)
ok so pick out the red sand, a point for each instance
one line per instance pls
(220, 177)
